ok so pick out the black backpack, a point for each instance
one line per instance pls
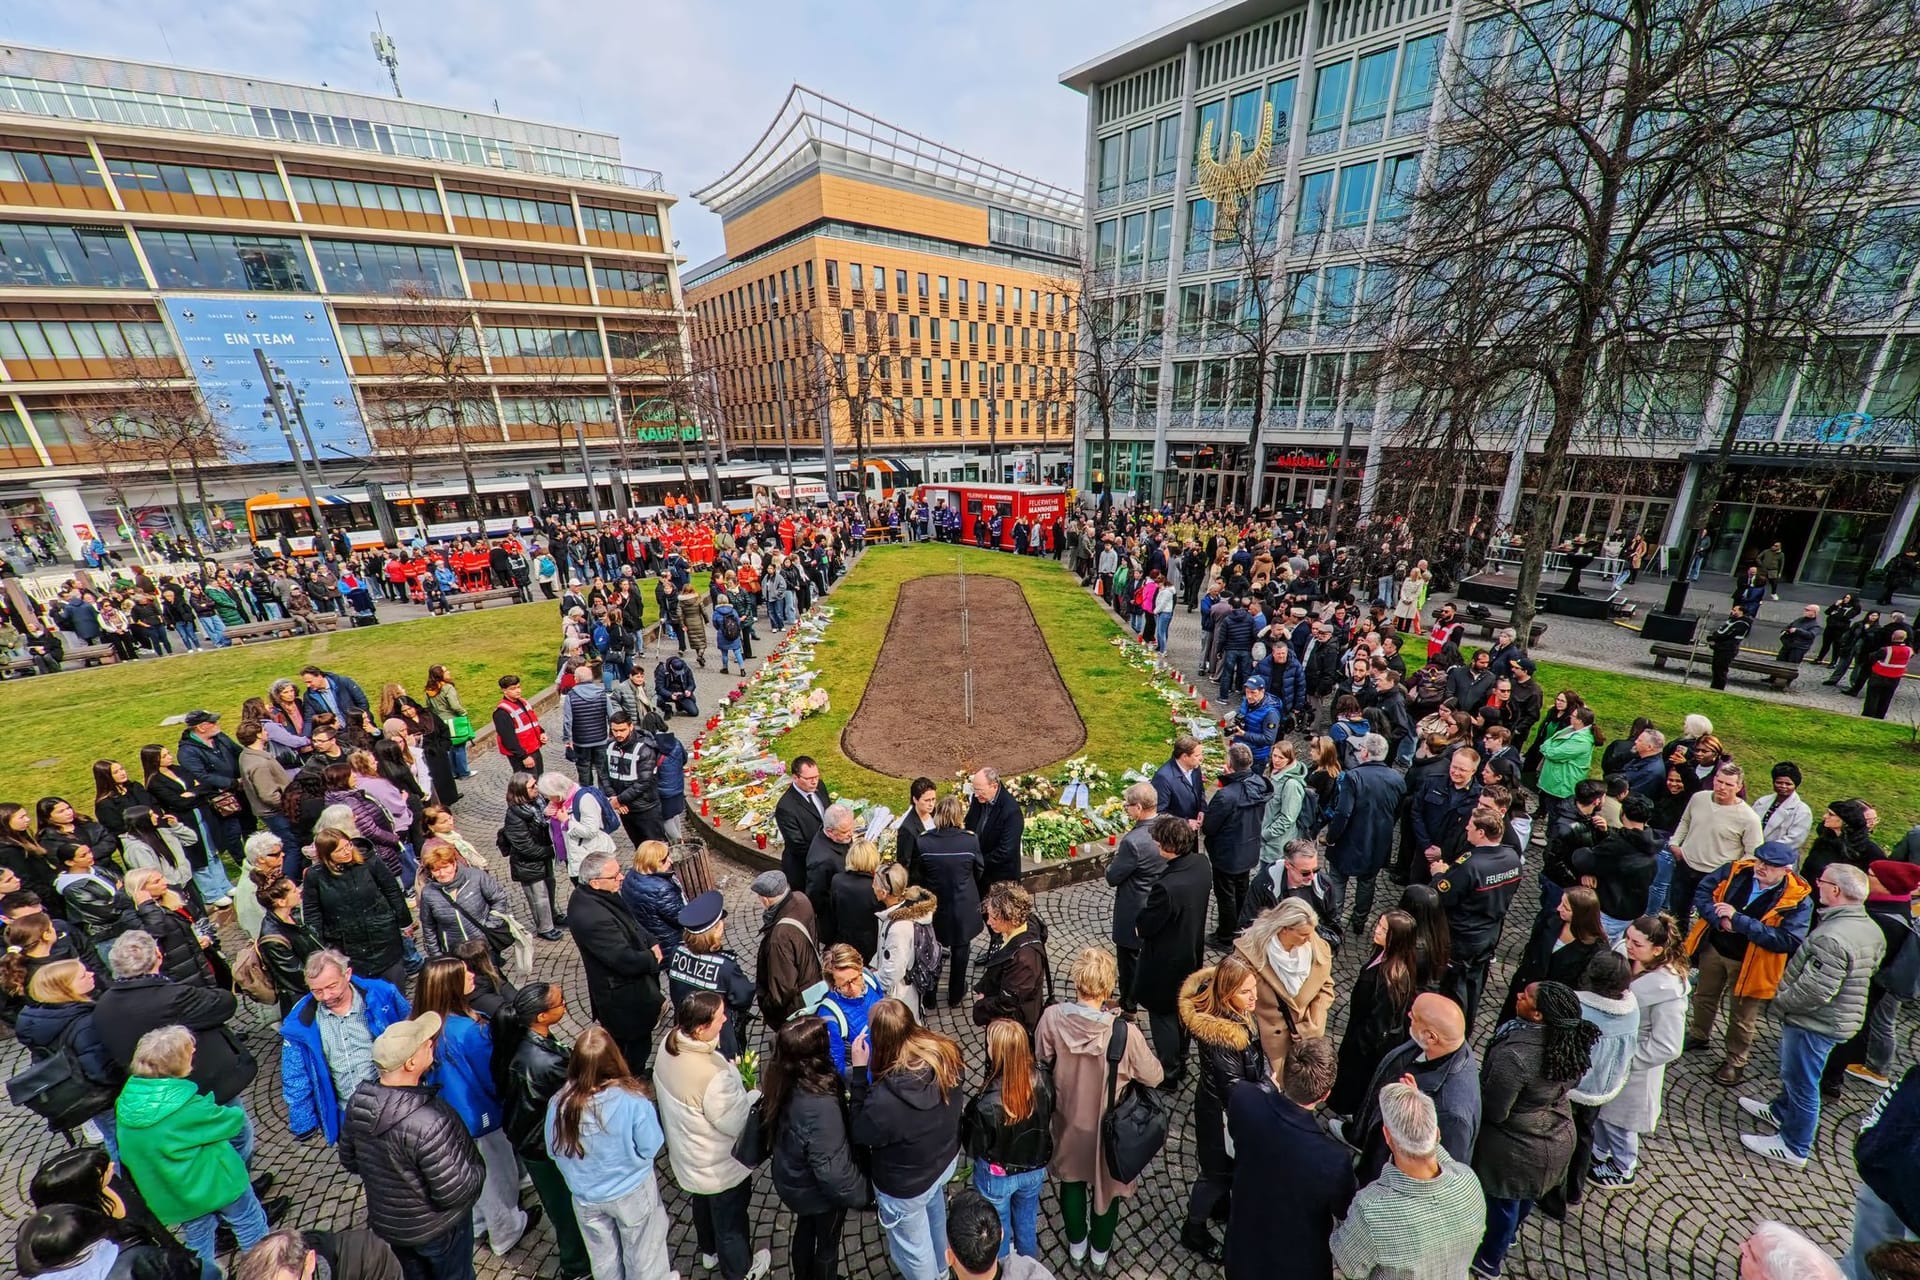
(729, 627)
(923, 971)
(56, 1087)
(1134, 1127)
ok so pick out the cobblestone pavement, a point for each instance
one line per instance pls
(1698, 1191)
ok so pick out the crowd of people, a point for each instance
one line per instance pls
(1677, 895)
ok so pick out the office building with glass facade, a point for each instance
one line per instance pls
(1351, 87)
(142, 205)
(866, 265)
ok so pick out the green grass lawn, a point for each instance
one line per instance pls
(1840, 755)
(1126, 723)
(57, 726)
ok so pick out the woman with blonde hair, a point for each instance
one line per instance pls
(1294, 968)
(1008, 1130)
(1073, 1039)
(906, 1112)
(1217, 1009)
(59, 1013)
(704, 1107)
(653, 895)
(604, 1134)
(904, 910)
(852, 892)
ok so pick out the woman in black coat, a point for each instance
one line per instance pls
(1216, 1008)
(1383, 993)
(354, 905)
(922, 797)
(1842, 836)
(114, 793)
(813, 1165)
(854, 906)
(285, 942)
(953, 867)
(527, 842)
(182, 958)
(1561, 946)
(529, 1066)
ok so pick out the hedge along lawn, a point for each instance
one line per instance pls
(57, 726)
(1126, 723)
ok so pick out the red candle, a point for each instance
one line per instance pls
(1203, 704)
(1112, 841)
(694, 786)
(703, 808)
(760, 840)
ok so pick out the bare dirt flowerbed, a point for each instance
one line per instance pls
(911, 720)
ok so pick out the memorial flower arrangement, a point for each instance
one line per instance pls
(1030, 789)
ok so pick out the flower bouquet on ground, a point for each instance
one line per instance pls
(1056, 835)
(1078, 778)
(1031, 790)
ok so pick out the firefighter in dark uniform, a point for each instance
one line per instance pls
(702, 963)
(1725, 641)
(1476, 891)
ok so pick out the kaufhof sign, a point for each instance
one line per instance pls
(652, 433)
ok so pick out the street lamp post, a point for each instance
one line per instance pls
(993, 423)
(279, 385)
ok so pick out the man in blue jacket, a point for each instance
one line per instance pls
(1440, 811)
(1259, 721)
(1361, 831)
(338, 694)
(326, 1043)
(1232, 831)
(1178, 784)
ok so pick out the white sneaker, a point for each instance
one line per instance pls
(1077, 1251)
(762, 1264)
(1761, 1111)
(708, 1261)
(1773, 1147)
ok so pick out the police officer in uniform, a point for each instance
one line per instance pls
(1476, 891)
(635, 789)
(1725, 642)
(702, 963)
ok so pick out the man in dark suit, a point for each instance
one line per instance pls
(1291, 1181)
(1136, 865)
(995, 819)
(798, 815)
(1179, 788)
(1173, 931)
(621, 958)
(827, 858)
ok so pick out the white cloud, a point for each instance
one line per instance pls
(688, 85)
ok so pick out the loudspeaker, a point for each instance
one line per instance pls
(1669, 628)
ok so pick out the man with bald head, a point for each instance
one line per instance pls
(1435, 1060)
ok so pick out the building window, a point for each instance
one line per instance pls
(1397, 191)
(1166, 146)
(1139, 153)
(1356, 195)
(41, 254)
(622, 222)
(833, 274)
(1417, 72)
(945, 285)
(1199, 225)
(256, 264)
(624, 280)
(1133, 240)
(529, 342)
(953, 331)
(492, 208)
(1244, 118)
(351, 266)
(1109, 163)
(1372, 84)
(900, 282)
(857, 276)
(82, 339)
(963, 290)
(348, 194)
(1106, 246)
(1019, 298)
(846, 324)
(879, 279)
(913, 327)
(196, 180)
(1210, 114)
(1330, 96)
(921, 281)
(1280, 97)
(1316, 197)
(47, 168)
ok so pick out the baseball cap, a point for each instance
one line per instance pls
(1257, 682)
(403, 1039)
(202, 717)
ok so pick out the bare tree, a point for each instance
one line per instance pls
(155, 418)
(1572, 163)
(691, 387)
(850, 371)
(1115, 341)
(435, 361)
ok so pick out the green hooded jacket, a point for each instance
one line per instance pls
(178, 1144)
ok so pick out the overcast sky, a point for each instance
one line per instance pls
(688, 85)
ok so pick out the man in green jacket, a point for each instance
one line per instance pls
(186, 1153)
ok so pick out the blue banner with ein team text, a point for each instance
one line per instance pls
(219, 337)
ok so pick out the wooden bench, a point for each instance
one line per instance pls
(1778, 674)
(272, 629)
(89, 655)
(1487, 628)
(480, 599)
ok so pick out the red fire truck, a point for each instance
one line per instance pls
(1039, 504)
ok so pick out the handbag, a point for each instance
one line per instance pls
(500, 938)
(519, 957)
(461, 730)
(1900, 977)
(225, 803)
(56, 1087)
(1134, 1127)
(754, 1144)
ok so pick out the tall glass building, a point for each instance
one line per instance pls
(180, 229)
(1351, 87)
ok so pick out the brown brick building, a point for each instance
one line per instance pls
(873, 274)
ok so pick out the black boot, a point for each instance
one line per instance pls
(1195, 1236)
